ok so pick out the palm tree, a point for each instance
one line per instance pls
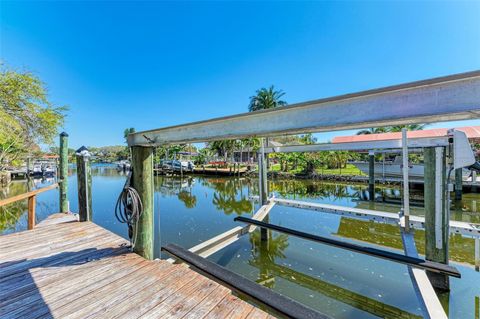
(411, 127)
(222, 147)
(266, 99)
(372, 130)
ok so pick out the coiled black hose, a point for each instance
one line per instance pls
(128, 209)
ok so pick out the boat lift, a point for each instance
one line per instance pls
(455, 97)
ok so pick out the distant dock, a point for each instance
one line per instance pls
(217, 171)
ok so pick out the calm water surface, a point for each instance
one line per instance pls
(339, 283)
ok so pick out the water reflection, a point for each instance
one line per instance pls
(13, 217)
(270, 270)
(356, 195)
(386, 235)
(264, 253)
(230, 195)
(10, 214)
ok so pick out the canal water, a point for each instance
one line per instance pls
(339, 283)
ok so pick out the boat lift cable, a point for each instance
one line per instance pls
(129, 208)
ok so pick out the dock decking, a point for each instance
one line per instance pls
(67, 269)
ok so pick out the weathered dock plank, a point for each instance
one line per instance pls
(70, 269)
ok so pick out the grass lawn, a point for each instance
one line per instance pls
(350, 170)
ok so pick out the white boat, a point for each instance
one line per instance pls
(48, 170)
(37, 170)
(123, 165)
(393, 169)
(176, 165)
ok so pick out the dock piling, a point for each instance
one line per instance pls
(371, 175)
(142, 180)
(84, 184)
(63, 173)
(436, 219)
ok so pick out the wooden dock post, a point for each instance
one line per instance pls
(142, 181)
(458, 184)
(436, 218)
(32, 201)
(84, 184)
(371, 175)
(63, 174)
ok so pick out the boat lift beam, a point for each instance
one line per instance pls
(394, 144)
(449, 98)
(407, 260)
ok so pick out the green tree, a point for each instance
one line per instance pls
(266, 99)
(411, 127)
(373, 130)
(252, 144)
(203, 156)
(128, 131)
(222, 147)
(27, 117)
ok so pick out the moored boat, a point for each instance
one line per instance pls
(393, 169)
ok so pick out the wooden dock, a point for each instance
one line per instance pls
(69, 269)
(205, 171)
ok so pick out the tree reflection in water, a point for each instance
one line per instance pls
(297, 189)
(229, 194)
(265, 252)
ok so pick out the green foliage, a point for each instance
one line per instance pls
(128, 131)
(203, 156)
(387, 129)
(266, 99)
(109, 153)
(27, 117)
(373, 130)
(223, 147)
(411, 127)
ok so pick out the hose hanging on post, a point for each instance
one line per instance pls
(129, 208)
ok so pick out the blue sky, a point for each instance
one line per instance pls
(155, 64)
